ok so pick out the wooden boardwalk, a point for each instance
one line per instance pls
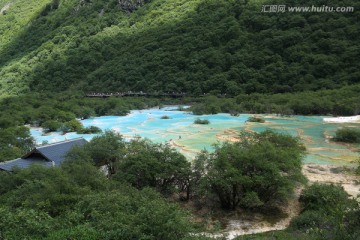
(134, 94)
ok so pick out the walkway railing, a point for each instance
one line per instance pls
(135, 94)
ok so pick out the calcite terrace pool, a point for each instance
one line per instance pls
(189, 138)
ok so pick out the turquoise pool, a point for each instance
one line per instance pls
(189, 138)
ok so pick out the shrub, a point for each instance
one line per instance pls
(328, 213)
(322, 196)
(201, 121)
(90, 130)
(51, 126)
(71, 126)
(234, 114)
(165, 117)
(307, 220)
(259, 171)
(348, 135)
(256, 119)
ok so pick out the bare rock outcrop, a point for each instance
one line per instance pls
(132, 5)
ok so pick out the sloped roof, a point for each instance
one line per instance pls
(56, 152)
(49, 155)
(23, 163)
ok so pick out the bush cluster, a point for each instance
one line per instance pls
(201, 121)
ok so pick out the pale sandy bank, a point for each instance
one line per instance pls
(333, 174)
(352, 119)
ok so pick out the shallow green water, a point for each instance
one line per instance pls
(190, 138)
(313, 131)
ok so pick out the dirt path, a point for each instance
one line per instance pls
(258, 224)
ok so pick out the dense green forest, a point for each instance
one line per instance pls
(76, 201)
(140, 199)
(192, 46)
(227, 56)
(60, 112)
(342, 101)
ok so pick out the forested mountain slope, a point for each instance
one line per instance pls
(194, 46)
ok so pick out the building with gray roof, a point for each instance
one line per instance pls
(48, 155)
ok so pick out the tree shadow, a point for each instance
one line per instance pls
(108, 54)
